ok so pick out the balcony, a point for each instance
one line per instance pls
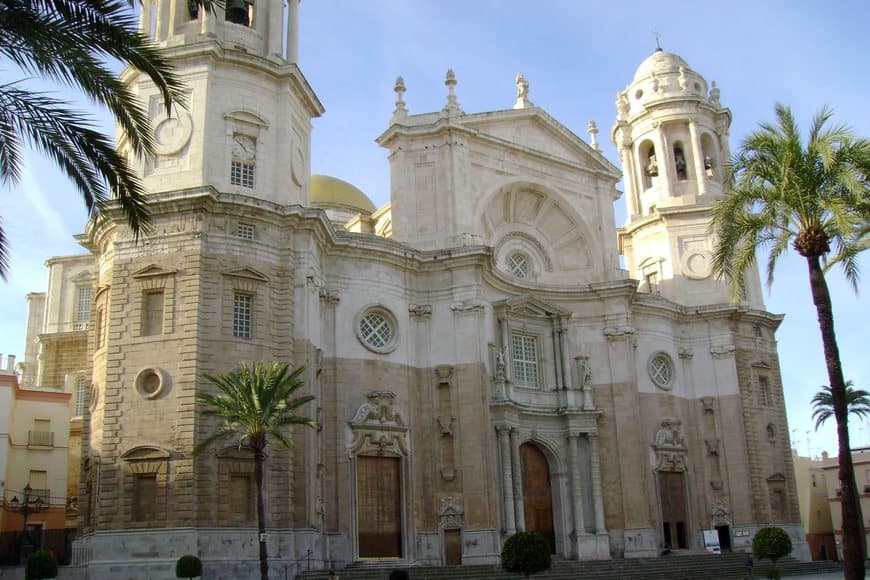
(40, 439)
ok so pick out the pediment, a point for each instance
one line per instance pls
(246, 273)
(530, 306)
(246, 116)
(151, 271)
(536, 130)
(83, 277)
(145, 453)
(776, 478)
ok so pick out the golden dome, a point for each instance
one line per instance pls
(329, 191)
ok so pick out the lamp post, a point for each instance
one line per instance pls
(25, 508)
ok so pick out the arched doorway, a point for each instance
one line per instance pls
(537, 493)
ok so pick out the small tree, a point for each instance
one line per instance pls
(526, 553)
(771, 543)
(40, 565)
(188, 566)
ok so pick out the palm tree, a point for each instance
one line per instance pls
(811, 196)
(73, 43)
(253, 404)
(857, 401)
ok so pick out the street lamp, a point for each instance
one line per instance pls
(30, 505)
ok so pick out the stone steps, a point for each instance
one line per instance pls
(672, 567)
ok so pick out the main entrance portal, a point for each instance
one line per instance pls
(537, 493)
(674, 513)
(379, 507)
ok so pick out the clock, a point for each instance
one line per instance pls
(171, 134)
(244, 147)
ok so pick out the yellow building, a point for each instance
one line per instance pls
(830, 466)
(813, 503)
(34, 440)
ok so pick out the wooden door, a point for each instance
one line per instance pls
(379, 507)
(537, 493)
(672, 490)
(452, 547)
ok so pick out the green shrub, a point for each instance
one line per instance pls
(188, 566)
(40, 565)
(772, 573)
(771, 543)
(527, 553)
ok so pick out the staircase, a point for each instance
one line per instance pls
(673, 567)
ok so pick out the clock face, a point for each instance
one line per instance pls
(244, 147)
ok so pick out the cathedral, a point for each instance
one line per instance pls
(488, 352)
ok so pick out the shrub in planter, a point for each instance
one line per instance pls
(527, 553)
(772, 543)
(188, 566)
(40, 565)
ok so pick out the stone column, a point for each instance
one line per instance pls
(632, 186)
(517, 469)
(698, 158)
(275, 38)
(208, 22)
(566, 360)
(576, 484)
(162, 21)
(292, 31)
(664, 156)
(507, 478)
(597, 497)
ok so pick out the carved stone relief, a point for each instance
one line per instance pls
(379, 426)
(670, 446)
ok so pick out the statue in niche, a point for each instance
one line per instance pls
(680, 164)
(499, 363)
(652, 167)
(708, 166)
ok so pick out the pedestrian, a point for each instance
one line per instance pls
(748, 562)
(332, 575)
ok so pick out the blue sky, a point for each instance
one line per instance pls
(576, 55)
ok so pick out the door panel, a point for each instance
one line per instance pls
(379, 507)
(537, 493)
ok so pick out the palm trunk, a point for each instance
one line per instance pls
(259, 460)
(853, 525)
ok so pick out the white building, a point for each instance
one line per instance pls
(481, 363)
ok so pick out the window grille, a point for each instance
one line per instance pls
(242, 174)
(245, 231)
(83, 309)
(242, 315)
(524, 356)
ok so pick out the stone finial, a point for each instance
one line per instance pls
(452, 107)
(523, 101)
(714, 95)
(401, 111)
(592, 130)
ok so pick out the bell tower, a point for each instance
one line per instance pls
(672, 135)
(247, 125)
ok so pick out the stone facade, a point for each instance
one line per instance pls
(480, 363)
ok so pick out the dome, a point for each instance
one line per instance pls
(660, 62)
(329, 191)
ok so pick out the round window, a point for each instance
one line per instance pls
(518, 265)
(661, 370)
(376, 329)
(150, 382)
